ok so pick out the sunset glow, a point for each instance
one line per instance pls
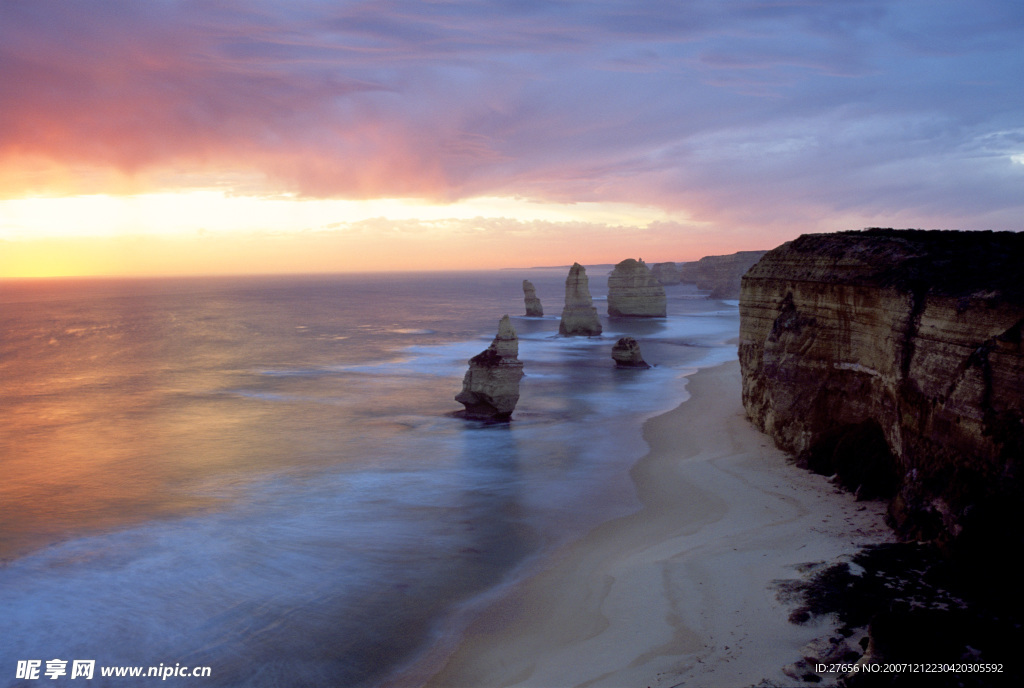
(203, 232)
(175, 138)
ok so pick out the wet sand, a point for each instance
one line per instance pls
(680, 592)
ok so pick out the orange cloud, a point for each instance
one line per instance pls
(377, 244)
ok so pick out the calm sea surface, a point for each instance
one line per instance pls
(262, 475)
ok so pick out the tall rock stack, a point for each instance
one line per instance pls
(579, 317)
(633, 292)
(533, 307)
(490, 389)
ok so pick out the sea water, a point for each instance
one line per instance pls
(264, 476)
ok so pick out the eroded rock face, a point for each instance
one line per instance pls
(490, 389)
(579, 317)
(894, 358)
(666, 273)
(720, 275)
(534, 309)
(634, 292)
(626, 354)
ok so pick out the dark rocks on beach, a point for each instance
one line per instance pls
(626, 354)
(490, 389)
(906, 603)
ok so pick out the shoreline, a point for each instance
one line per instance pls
(682, 590)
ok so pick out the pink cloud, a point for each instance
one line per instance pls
(567, 101)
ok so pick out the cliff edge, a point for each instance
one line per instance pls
(893, 359)
(719, 274)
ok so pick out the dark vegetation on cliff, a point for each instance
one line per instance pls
(928, 261)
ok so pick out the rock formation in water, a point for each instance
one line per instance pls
(634, 292)
(720, 275)
(666, 273)
(490, 389)
(533, 307)
(579, 317)
(894, 359)
(626, 354)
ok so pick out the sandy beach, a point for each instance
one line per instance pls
(681, 592)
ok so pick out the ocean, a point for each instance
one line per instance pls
(263, 475)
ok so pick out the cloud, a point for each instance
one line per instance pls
(743, 112)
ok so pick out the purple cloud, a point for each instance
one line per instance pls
(781, 110)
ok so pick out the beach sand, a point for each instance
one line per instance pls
(681, 592)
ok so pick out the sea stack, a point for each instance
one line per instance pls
(633, 292)
(579, 317)
(666, 273)
(490, 389)
(895, 360)
(626, 354)
(533, 307)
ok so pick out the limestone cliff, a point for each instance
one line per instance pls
(626, 354)
(719, 274)
(579, 317)
(534, 309)
(666, 273)
(490, 389)
(634, 292)
(894, 359)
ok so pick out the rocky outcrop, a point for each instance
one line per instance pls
(894, 359)
(533, 307)
(720, 274)
(579, 317)
(626, 354)
(634, 292)
(666, 273)
(490, 389)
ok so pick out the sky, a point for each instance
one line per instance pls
(230, 137)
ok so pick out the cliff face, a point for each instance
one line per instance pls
(579, 317)
(634, 292)
(894, 359)
(719, 274)
(490, 389)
